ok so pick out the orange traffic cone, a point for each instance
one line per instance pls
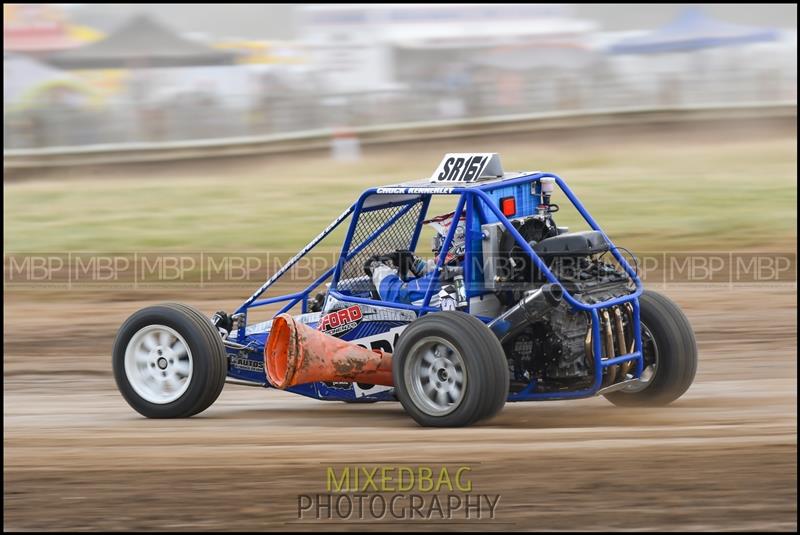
(296, 354)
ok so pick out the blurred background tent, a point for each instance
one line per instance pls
(157, 57)
(141, 42)
(693, 29)
(695, 59)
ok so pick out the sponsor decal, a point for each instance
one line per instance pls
(434, 191)
(243, 363)
(385, 342)
(339, 385)
(341, 321)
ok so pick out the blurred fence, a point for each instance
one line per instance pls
(421, 131)
(205, 116)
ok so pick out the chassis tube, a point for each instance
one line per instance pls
(292, 261)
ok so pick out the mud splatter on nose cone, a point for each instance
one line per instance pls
(296, 354)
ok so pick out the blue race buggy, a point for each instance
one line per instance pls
(512, 307)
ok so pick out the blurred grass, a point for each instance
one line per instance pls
(648, 196)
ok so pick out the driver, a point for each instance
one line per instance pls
(403, 277)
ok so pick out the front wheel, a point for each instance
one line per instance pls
(670, 355)
(169, 361)
(449, 370)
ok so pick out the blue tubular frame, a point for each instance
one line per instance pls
(593, 309)
(472, 198)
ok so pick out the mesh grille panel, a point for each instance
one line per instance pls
(396, 236)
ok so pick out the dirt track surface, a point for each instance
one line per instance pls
(722, 457)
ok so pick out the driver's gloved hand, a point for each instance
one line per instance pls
(370, 266)
(373, 262)
(417, 266)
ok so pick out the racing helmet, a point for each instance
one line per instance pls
(441, 224)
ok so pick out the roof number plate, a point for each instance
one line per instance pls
(468, 167)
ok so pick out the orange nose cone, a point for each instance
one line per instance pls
(297, 354)
(281, 344)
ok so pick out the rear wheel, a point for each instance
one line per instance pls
(450, 370)
(670, 355)
(169, 361)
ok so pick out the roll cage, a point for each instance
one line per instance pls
(478, 202)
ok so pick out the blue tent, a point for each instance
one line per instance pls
(693, 29)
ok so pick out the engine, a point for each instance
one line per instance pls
(555, 349)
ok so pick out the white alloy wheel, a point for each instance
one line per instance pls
(158, 364)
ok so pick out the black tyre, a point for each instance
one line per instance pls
(169, 361)
(450, 370)
(670, 355)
